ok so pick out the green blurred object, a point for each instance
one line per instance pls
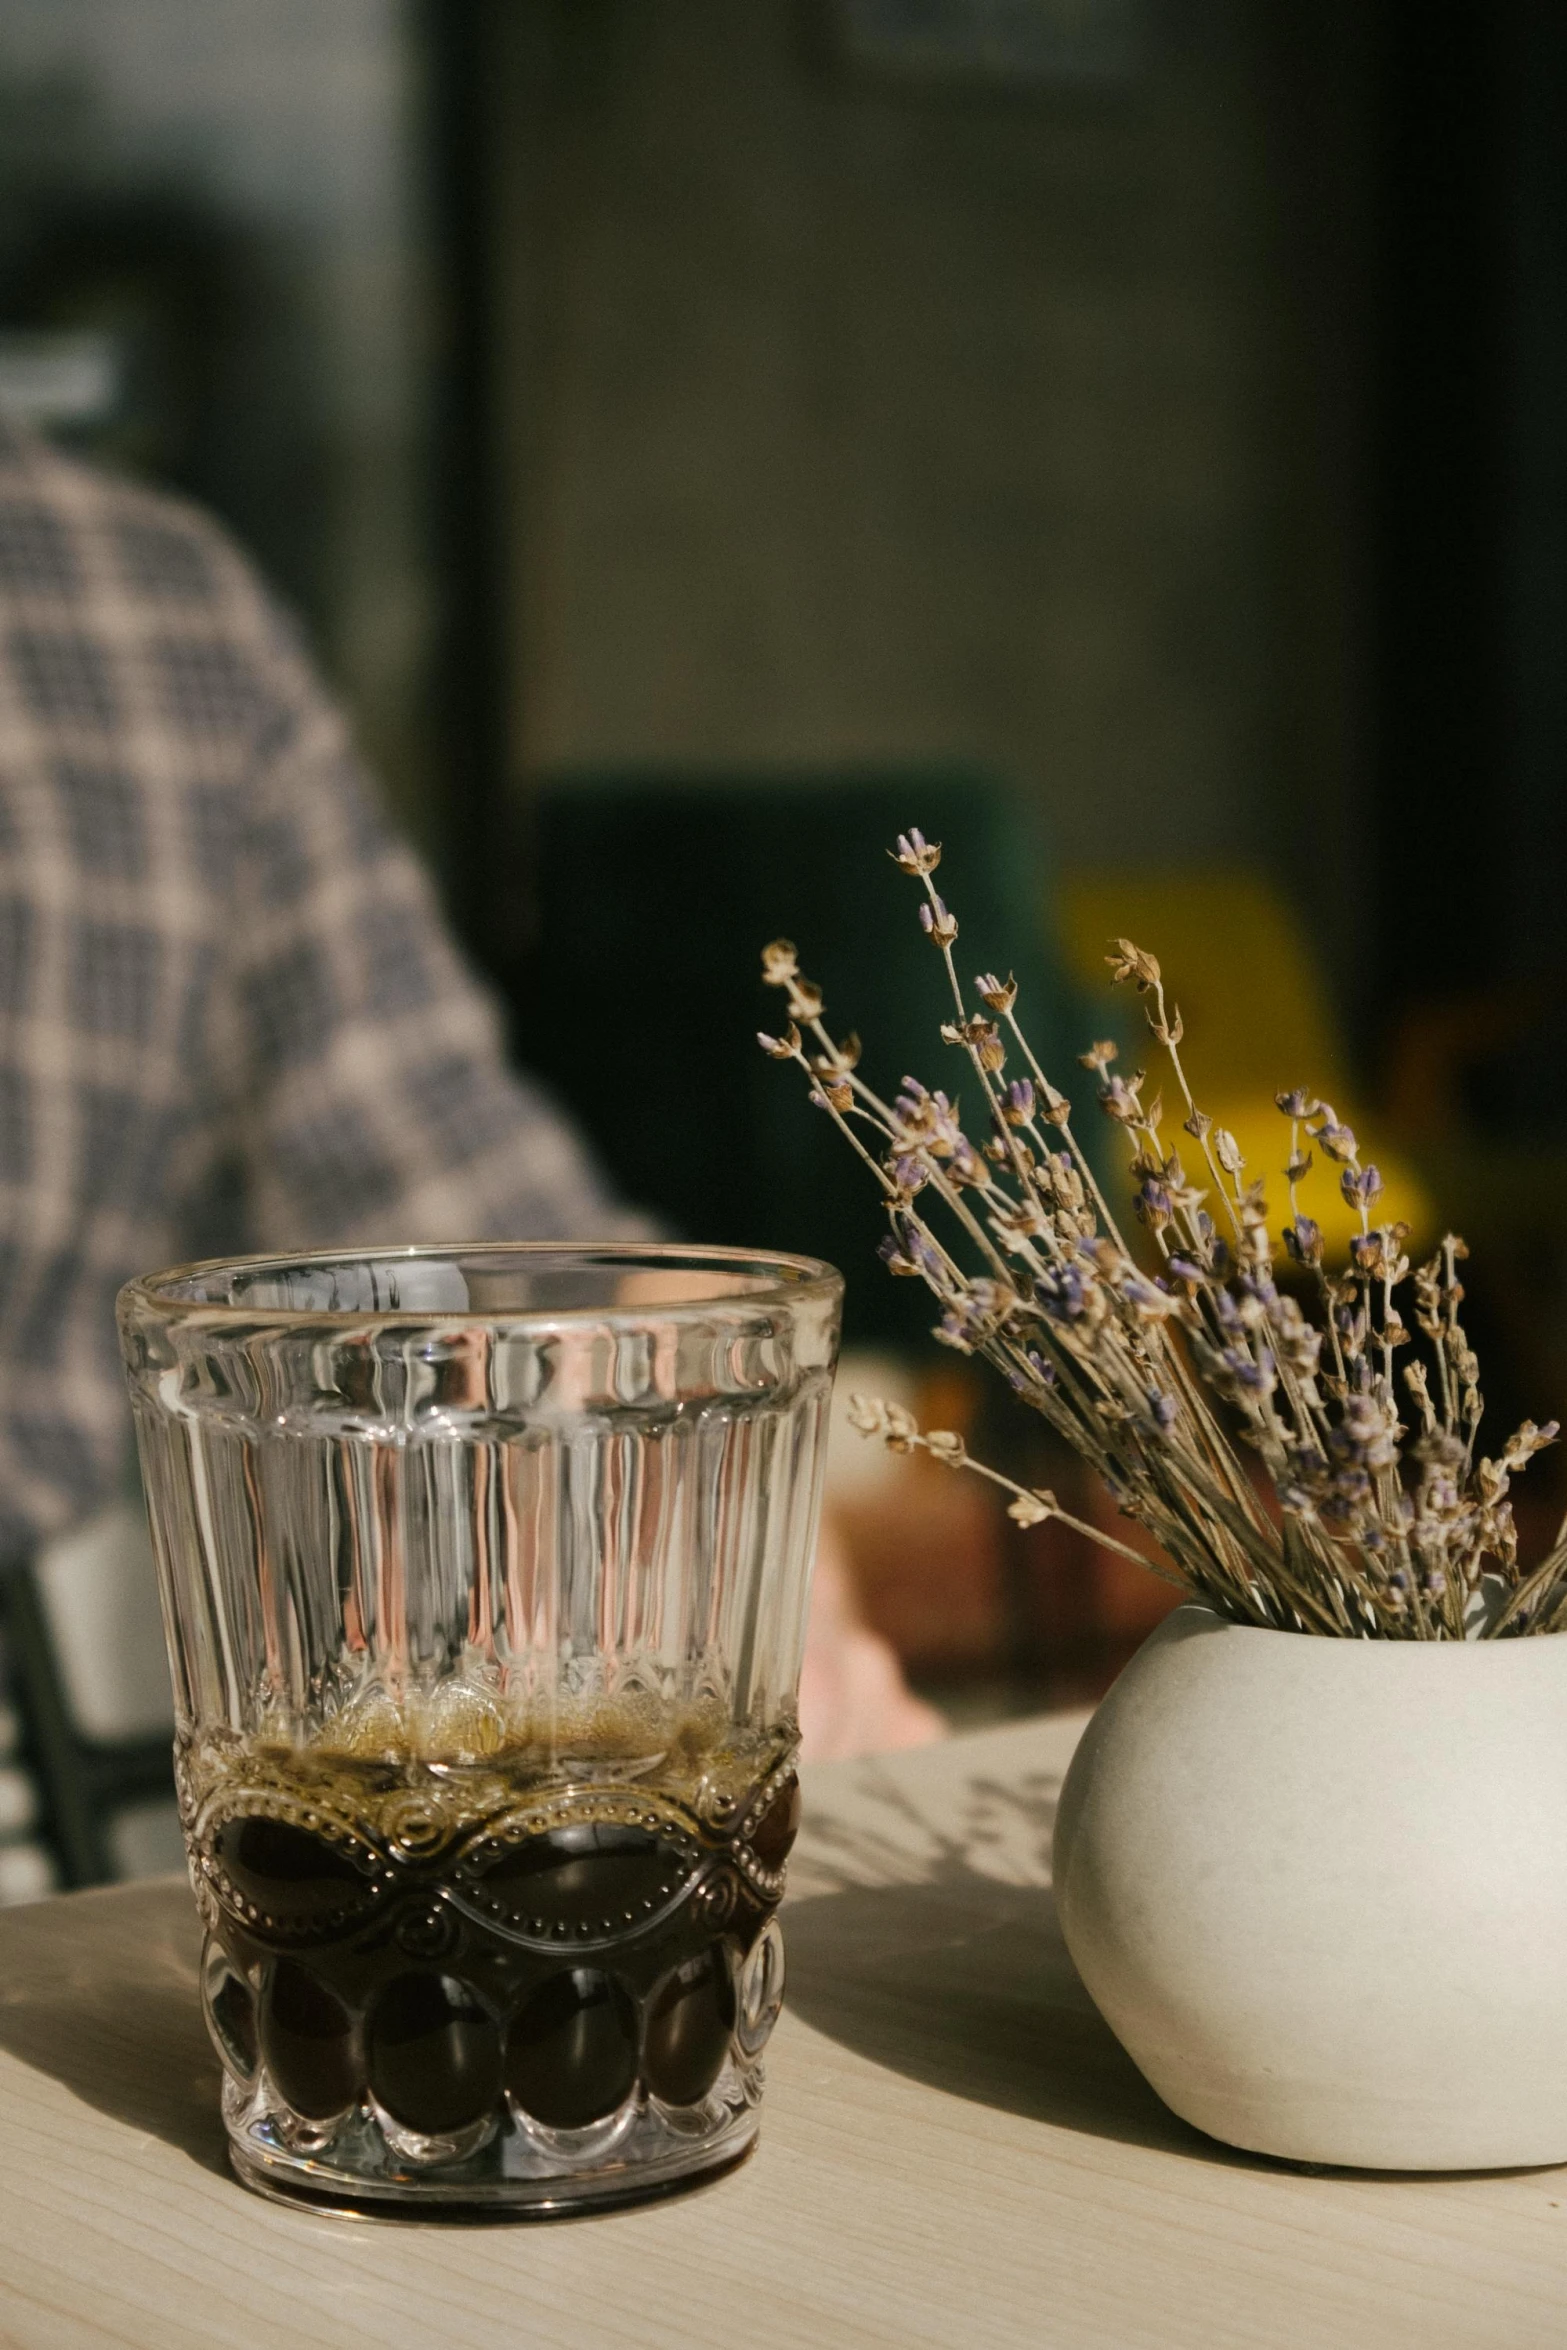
(656, 893)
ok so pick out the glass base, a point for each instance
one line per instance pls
(362, 2163)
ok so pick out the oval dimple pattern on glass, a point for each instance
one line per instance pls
(230, 2008)
(434, 2053)
(690, 2019)
(590, 1882)
(310, 2042)
(571, 2055)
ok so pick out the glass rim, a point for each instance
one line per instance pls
(791, 1280)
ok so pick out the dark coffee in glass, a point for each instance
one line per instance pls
(475, 1948)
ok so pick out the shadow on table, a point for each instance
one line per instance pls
(927, 1962)
(120, 2025)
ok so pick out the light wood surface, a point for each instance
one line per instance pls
(954, 2151)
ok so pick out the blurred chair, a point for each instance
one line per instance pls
(655, 894)
(1258, 1017)
(85, 1662)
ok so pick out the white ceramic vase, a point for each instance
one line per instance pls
(1318, 1890)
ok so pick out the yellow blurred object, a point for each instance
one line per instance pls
(1258, 1021)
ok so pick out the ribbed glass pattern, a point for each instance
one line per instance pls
(515, 1537)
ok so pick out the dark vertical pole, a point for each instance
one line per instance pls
(1439, 311)
(459, 40)
(1532, 830)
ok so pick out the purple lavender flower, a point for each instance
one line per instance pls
(1361, 1188)
(936, 922)
(1152, 1203)
(1064, 1294)
(960, 1326)
(1303, 1239)
(1254, 1374)
(915, 853)
(1118, 1099)
(917, 1244)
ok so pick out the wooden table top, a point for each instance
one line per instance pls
(954, 2151)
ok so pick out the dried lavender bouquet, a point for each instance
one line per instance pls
(1337, 1517)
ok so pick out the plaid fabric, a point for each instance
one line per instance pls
(229, 1014)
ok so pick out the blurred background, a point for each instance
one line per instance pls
(1124, 437)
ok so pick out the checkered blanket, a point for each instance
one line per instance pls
(229, 1013)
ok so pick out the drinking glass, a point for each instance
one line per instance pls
(484, 1573)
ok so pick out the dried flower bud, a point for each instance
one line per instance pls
(840, 1059)
(1360, 1186)
(1150, 1301)
(944, 1444)
(871, 1416)
(1099, 1056)
(780, 963)
(982, 1038)
(998, 994)
(1526, 1441)
(831, 1094)
(936, 922)
(1151, 1201)
(964, 1164)
(1032, 1509)
(1338, 1141)
(1303, 1239)
(780, 1048)
(915, 854)
(1297, 1104)
(1118, 1098)
(1130, 962)
(1016, 1229)
(1227, 1151)
(1018, 1102)
(1197, 1125)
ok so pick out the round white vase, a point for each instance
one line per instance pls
(1318, 1890)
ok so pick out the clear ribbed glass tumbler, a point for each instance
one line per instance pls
(485, 1575)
